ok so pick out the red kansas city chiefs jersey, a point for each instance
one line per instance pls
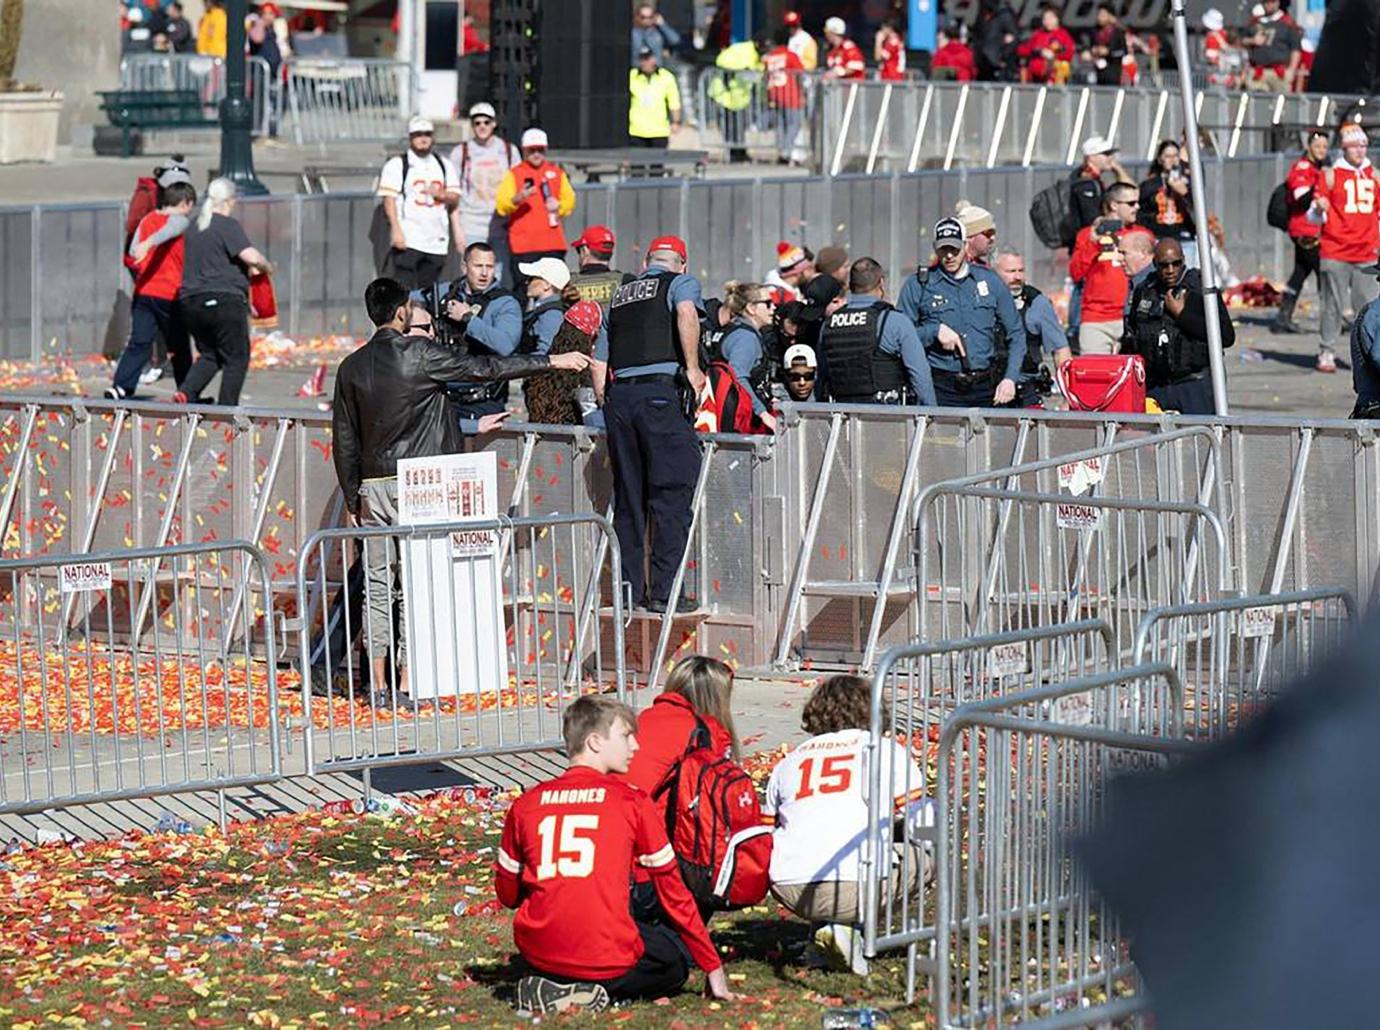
(564, 862)
(1350, 232)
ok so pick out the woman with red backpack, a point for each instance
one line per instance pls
(739, 372)
(687, 760)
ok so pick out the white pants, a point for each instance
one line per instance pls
(1100, 337)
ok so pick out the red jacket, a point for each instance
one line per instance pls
(847, 60)
(1302, 179)
(957, 56)
(663, 731)
(1350, 233)
(1102, 274)
(784, 70)
(1059, 42)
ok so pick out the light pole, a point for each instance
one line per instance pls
(236, 116)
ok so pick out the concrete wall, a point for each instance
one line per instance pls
(74, 46)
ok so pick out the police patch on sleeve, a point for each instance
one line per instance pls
(982, 288)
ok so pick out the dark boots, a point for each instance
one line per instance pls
(1284, 321)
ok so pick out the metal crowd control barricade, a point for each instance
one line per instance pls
(206, 76)
(490, 664)
(915, 688)
(753, 110)
(355, 99)
(1134, 526)
(1235, 655)
(1022, 935)
(103, 711)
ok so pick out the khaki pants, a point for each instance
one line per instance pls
(1100, 337)
(1270, 81)
(383, 586)
(840, 901)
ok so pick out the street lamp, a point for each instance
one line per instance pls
(236, 116)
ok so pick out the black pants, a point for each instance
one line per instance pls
(1305, 264)
(1188, 396)
(953, 392)
(219, 322)
(520, 280)
(152, 316)
(416, 269)
(651, 143)
(662, 970)
(656, 457)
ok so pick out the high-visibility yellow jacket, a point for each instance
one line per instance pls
(652, 99)
(734, 91)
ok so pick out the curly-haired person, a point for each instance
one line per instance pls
(818, 797)
(567, 398)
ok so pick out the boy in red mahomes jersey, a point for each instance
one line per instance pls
(565, 861)
(1344, 204)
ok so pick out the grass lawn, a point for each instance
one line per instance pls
(335, 920)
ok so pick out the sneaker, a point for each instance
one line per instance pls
(1327, 362)
(151, 374)
(843, 945)
(115, 394)
(536, 996)
(179, 398)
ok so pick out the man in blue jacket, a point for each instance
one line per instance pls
(488, 321)
(956, 308)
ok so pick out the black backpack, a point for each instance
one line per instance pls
(1277, 209)
(1051, 215)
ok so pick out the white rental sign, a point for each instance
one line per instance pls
(86, 576)
(456, 638)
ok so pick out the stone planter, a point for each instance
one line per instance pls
(29, 126)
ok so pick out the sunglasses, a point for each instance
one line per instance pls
(800, 377)
(765, 300)
(427, 326)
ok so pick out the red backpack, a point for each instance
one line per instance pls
(726, 405)
(714, 822)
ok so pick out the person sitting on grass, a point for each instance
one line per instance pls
(565, 861)
(817, 795)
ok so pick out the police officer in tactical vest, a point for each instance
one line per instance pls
(957, 308)
(484, 319)
(650, 349)
(869, 353)
(1167, 327)
(1042, 329)
(595, 280)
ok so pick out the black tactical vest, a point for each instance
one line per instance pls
(642, 326)
(597, 286)
(858, 369)
(1034, 345)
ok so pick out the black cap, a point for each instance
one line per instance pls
(646, 51)
(949, 232)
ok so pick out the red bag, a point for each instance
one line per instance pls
(263, 301)
(1104, 382)
(726, 404)
(714, 822)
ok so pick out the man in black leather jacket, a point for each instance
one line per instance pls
(390, 403)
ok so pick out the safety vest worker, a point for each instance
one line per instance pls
(534, 196)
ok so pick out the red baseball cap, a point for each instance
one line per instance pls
(596, 237)
(792, 18)
(674, 243)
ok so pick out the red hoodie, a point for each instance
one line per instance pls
(1102, 274)
(663, 732)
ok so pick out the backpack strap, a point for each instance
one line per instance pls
(699, 739)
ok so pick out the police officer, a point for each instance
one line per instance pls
(486, 320)
(957, 308)
(651, 344)
(869, 353)
(546, 278)
(1042, 329)
(1168, 328)
(1365, 357)
(751, 307)
(595, 280)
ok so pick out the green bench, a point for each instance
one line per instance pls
(130, 110)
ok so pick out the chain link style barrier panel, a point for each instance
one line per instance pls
(133, 673)
(205, 76)
(67, 293)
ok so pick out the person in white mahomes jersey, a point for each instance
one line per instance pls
(818, 796)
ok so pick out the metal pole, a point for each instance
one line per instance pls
(236, 116)
(1211, 291)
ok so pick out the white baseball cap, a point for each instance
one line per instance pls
(534, 138)
(1213, 20)
(418, 125)
(483, 109)
(799, 352)
(836, 25)
(1098, 145)
(553, 270)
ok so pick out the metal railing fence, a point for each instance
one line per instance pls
(356, 99)
(886, 127)
(134, 676)
(206, 77)
(1235, 655)
(915, 688)
(512, 629)
(66, 291)
(758, 112)
(1021, 933)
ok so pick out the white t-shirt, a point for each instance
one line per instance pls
(818, 794)
(424, 218)
(481, 168)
